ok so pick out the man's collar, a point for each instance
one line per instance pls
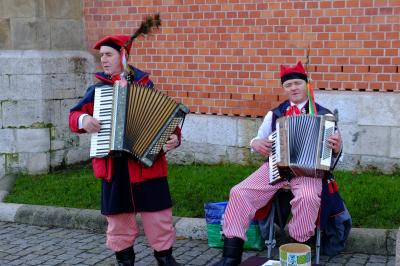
(300, 105)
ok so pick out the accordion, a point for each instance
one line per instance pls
(135, 119)
(300, 146)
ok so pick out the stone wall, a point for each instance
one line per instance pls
(44, 69)
(37, 90)
(42, 25)
(369, 124)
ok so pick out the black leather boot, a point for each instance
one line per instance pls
(165, 258)
(232, 254)
(125, 257)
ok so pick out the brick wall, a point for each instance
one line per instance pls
(223, 57)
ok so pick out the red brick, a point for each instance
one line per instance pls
(197, 54)
(390, 85)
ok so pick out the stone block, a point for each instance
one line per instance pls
(19, 8)
(67, 35)
(5, 33)
(195, 128)
(238, 155)
(246, 130)
(193, 228)
(65, 106)
(398, 248)
(20, 62)
(40, 10)
(57, 158)
(374, 140)
(351, 137)
(57, 145)
(76, 155)
(80, 63)
(26, 87)
(379, 109)
(221, 130)
(376, 239)
(391, 242)
(4, 84)
(34, 162)
(54, 64)
(384, 164)
(82, 82)
(184, 154)
(12, 163)
(84, 140)
(71, 9)
(62, 86)
(8, 211)
(1, 116)
(2, 165)
(54, 109)
(33, 140)
(210, 153)
(30, 33)
(347, 104)
(349, 162)
(25, 114)
(8, 140)
(394, 142)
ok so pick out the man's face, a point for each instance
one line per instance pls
(110, 60)
(296, 90)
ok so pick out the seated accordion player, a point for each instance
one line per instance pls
(138, 120)
(300, 146)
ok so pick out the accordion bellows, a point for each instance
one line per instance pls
(300, 146)
(138, 120)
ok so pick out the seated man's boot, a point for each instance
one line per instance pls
(232, 254)
(165, 258)
(125, 257)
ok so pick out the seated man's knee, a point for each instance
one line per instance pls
(310, 198)
(236, 192)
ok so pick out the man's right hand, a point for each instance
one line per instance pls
(262, 146)
(90, 124)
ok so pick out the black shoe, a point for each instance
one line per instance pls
(232, 254)
(165, 258)
(125, 257)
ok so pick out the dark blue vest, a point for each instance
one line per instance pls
(282, 108)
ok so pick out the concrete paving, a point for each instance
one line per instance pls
(22, 244)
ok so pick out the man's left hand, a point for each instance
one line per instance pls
(172, 143)
(335, 142)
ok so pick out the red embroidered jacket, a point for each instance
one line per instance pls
(103, 167)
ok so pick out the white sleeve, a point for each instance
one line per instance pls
(80, 121)
(265, 129)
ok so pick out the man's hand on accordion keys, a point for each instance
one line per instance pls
(91, 124)
(262, 146)
(335, 143)
(171, 143)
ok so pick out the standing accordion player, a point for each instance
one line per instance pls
(300, 146)
(134, 119)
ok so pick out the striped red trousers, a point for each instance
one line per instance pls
(255, 192)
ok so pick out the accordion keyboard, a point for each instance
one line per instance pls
(274, 158)
(326, 154)
(102, 111)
